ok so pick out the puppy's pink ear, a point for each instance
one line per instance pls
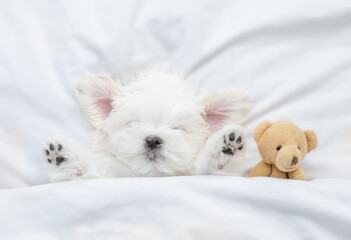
(229, 106)
(96, 96)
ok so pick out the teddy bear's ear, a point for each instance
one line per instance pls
(312, 141)
(260, 129)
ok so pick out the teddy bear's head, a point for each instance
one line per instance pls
(284, 144)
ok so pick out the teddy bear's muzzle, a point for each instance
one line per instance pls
(288, 159)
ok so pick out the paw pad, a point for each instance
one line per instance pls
(53, 153)
(232, 142)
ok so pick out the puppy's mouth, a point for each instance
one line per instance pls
(153, 155)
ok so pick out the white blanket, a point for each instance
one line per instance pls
(178, 208)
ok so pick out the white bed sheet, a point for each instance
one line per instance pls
(293, 57)
(210, 207)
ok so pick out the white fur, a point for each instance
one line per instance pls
(155, 103)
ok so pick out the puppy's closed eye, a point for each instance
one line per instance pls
(131, 123)
(181, 128)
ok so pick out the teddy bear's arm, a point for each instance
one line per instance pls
(298, 174)
(262, 169)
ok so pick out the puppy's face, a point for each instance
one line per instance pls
(156, 125)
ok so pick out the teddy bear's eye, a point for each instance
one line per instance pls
(279, 147)
(298, 147)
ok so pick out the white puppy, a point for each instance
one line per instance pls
(155, 126)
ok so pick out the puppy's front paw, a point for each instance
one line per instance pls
(54, 152)
(62, 160)
(233, 140)
(229, 145)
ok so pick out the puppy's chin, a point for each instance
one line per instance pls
(160, 164)
(156, 167)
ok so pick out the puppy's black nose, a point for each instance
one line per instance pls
(294, 160)
(153, 141)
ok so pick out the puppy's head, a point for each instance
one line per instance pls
(156, 125)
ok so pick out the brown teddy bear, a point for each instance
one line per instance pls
(282, 146)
